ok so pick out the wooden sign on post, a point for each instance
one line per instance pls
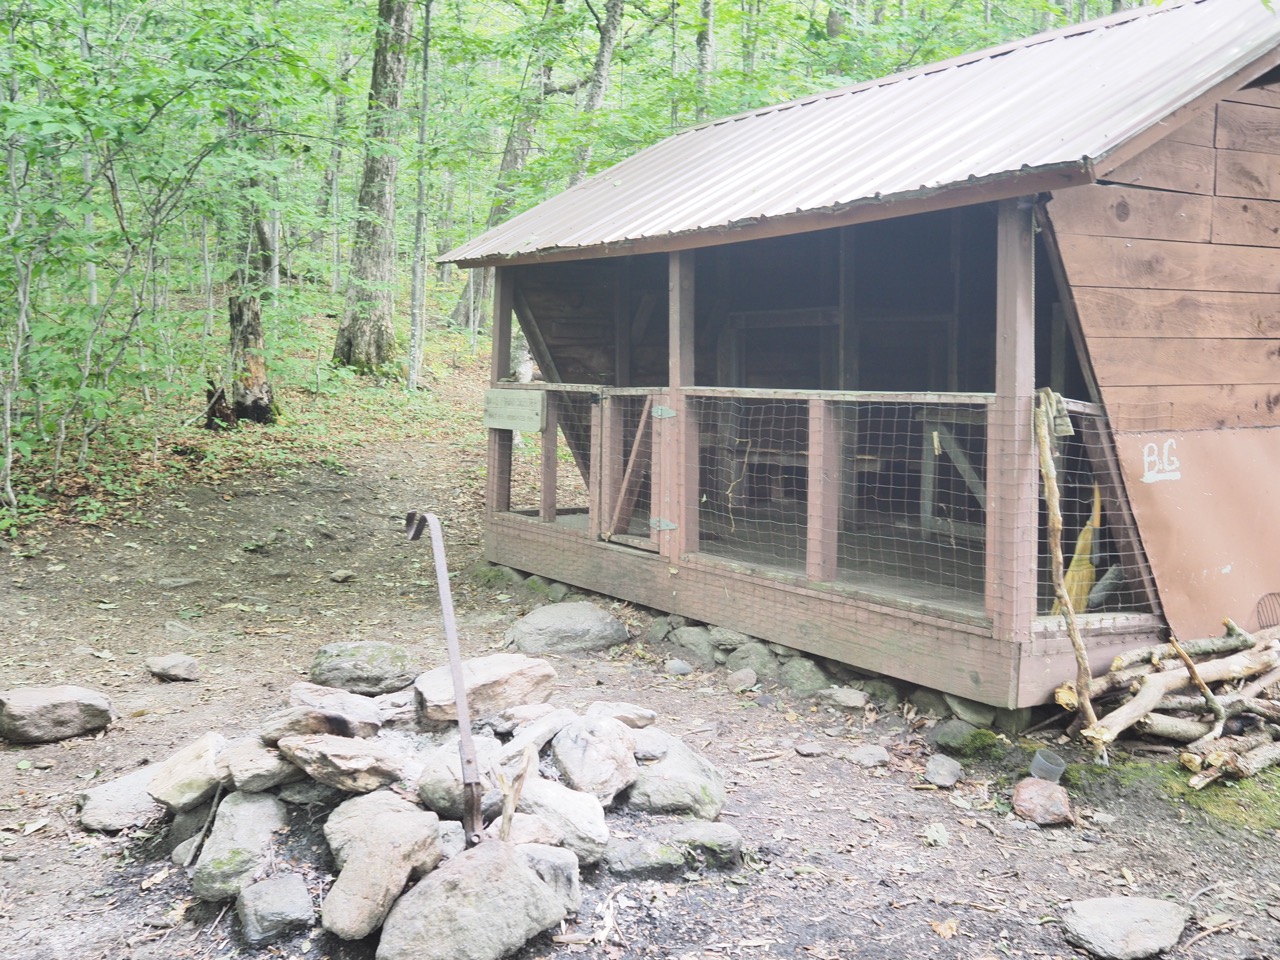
(524, 411)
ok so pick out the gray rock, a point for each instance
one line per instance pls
(718, 845)
(694, 645)
(811, 748)
(176, 583)
(930, 702)
(1124, 928)
(304, 721)
(177, 630)
(357, 766)
(493, 683)
(868, 756)
(453, 839)
(844, 698)
(481, 905)
(678, 668)
(953, 735)
(942, 771)
(754, 656)
(189, 777)
(882, 692)
(534, 736)
(188, 823)
(364, 666)
(378, 841)
(643, 858)
(356, 708)
(558, 869)
(651, 744)
(255, 767)
(342, 576)
(398, 708)
(174, 666)
(120, 803)
(308, 793)
(637, 718)
(557, 591)
(803, 677)
(567, 628)
(505, 722)
(439, 784)
(271, 908)
(971, 711)
(578, 816)
(658, 630)
(48, 714)
(526, 828)
(741, 680)
(727, 639)
(596, 755)
(681, 782)
(1043, 803)
(238, 845)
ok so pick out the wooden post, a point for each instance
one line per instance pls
(1012, 546)
(824, 484)
(622, 324)
(550, 462)
(498, 485)
(677, 446)
(595, 500)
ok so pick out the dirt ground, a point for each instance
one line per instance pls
(838, 865)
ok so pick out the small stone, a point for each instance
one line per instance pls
(727, 639)
(353, 706)
(255, 767)
(678, 668)
(304, 721)
(238, 845)
(869, 756)
(971, 711)
(694, 645)
(844, 698)
(741, 680)
(177, 667)
(309, 793)
(682, 782)
(754, 656)
(882, 692)
(942, 771)
(177, 630)
(930, 703)
(505, 722)
(637, 718)
(1124, 928)
(719, 845)
(1043, 803)
(357, 766)
(766, 700)
(643, 858)
(273, 907)
(658, 630)
(803, 677)
(120, 803)
(342, 576)
(964, 740)
(176, 583)
(810, 748)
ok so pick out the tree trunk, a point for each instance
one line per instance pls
(366, 338)
(418, 294)
(251, 395)
(706, 54)
(599, 81)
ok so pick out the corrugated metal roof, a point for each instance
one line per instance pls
(1060, 101)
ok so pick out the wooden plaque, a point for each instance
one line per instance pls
(521, 410)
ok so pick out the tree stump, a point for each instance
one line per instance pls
(251, 394)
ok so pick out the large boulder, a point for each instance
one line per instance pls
(189, 777)
(439, 785)
(482, 904)
(47, 714)
(378, 841)
(302, 720)
(364, 666)
(680, 782)
(238, 845)
(596, 755)
(254, 767)
(271, 908)
(357, 766)
(493, 683)
(353, 706)
(567, 628)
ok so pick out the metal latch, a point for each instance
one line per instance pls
(657, 523)
(662, 413)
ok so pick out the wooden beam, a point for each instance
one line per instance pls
(550, 464)
(1168, 265)
(619, 519)
(824, 486)
(1012, 543)
(678, 435)
(595, 499)
(533, 333)
(498, 476)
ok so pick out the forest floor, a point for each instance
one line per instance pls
(838, 863)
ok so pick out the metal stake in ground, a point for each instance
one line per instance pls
(472, 824)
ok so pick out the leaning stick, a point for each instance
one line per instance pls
(1155, 687)
(1054, 501)
(1219, 714)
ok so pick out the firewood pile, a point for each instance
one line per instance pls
(1219, 698)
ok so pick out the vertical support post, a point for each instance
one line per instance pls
(550, 462)
(595, 499)
(678, 446)
(1012, 480)
(824, 485)
(498, 485)
(622, 324)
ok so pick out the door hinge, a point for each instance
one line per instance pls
(662, 413)
(657, 523)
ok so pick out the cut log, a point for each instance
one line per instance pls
(1255, 761)
(1153, 688)
(1232, 640)
(1259, 684)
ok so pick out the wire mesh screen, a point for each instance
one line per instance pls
(1101, 557)
(627, 467)
(551, 469)
(886, 496)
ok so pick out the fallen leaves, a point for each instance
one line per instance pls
(946, 929)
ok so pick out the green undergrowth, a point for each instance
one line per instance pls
(325, 413)
(1252, 804)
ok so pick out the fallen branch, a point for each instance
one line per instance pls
(1153, 688)
(1255, 687)
(1219, 715)
(1233, 640)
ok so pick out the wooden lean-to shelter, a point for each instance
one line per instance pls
(790, 359)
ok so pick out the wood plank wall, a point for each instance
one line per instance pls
(1174, 265)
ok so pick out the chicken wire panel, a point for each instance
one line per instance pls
(551, 469)
(627, 470)
(885, 496)
(1101, 557)
(913, 499)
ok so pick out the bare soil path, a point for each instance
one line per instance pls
(239, 576)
